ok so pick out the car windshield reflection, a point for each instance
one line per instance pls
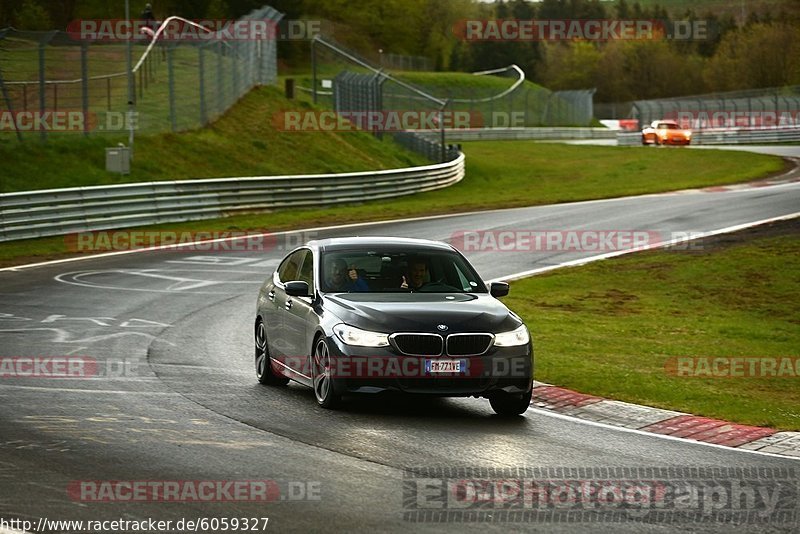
(392, 271)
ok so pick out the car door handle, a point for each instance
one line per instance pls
(271, 296)
(288, 304)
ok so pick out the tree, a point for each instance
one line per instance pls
(759, 55)
(571, 65)
(32, 16)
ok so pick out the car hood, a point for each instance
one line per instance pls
(422, 312)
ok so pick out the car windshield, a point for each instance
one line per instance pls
(668, 126)
(398, 271)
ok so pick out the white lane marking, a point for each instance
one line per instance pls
(96, 391)
(180, 284)
(361, 224)
(661, 244)
(215, 260)
(653, 434)
(62, 336)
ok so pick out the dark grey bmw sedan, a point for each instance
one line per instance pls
(373, 314)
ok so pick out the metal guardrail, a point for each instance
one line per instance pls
(732, 136)
(52, 212)
(495, 134)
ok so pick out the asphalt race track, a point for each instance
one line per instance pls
(174, 396)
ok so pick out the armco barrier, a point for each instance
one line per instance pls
(544, 133)
(30, 214)
(732, 136)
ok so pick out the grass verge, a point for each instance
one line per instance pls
(244, 142)
(610, 328)
(500, 174)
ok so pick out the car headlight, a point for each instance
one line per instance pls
(351, 335)
(513, 338)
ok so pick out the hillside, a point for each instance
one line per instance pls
(244, 142)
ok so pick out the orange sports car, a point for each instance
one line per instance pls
(666, 133)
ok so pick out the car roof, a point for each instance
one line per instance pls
(342, 243)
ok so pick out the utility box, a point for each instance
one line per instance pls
(118, 159)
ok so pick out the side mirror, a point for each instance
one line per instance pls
(297, 288)
(498, 289)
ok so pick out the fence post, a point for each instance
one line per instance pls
(201, 71)
(42, 88)
(235, 74)
(171, 78)
(220, 104)
(314, 70)
(527, 92)
(442, 128)
(85, 86)
(9, 104)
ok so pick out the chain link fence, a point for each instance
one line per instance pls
(50, 78)
(402, 62)
(769, 107)
(348, 83)
(488, 102)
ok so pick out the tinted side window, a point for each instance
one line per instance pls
(306, 273)
(290, 267)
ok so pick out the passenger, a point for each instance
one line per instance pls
(342, 278)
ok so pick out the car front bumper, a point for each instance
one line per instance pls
(374, 370)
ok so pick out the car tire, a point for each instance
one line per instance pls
(321, 380)
(644, 140)
(264, 371)
(507, 404)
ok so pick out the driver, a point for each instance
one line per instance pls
(418, 275)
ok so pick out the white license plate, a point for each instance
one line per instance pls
(445, 366)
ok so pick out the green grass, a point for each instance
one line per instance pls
(534, 105)
(500, 174)
(242, 143)
(609, 328)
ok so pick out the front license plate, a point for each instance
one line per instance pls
(445, 366)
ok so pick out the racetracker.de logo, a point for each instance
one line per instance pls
(70, 121)
(733, 366)
(184, 241)
(375, 121)
(580, 29)
(735, 119)
(404, 367)
(193, 490)
(48, 367)
(176, 29)
(553, 240)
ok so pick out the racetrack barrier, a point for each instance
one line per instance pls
(726, 136)
(51, 212)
